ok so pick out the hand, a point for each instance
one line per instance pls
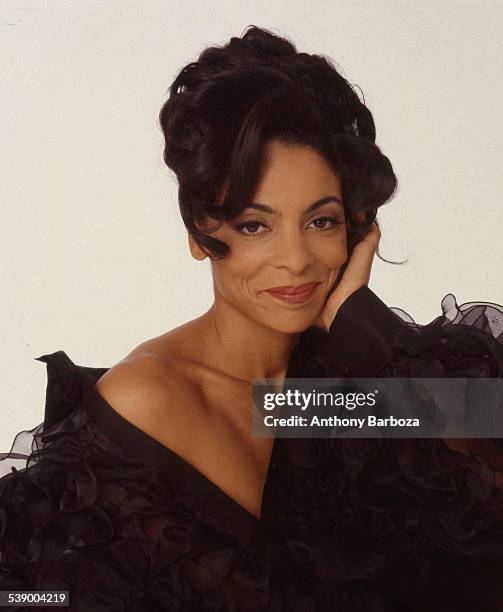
(356, 275)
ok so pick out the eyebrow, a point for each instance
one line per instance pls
(268, 209)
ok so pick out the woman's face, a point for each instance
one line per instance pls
(293, 233)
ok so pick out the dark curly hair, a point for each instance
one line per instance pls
(224, 107)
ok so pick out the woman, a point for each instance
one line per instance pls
(145, 490)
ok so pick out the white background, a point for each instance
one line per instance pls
(93, 254)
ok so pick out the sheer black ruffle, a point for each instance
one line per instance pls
(348, 525)
(463, 342)
(85, 515)
(400, 511)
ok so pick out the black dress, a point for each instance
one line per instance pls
(99, 508)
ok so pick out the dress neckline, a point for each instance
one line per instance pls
(170, 466)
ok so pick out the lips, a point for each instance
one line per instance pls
(293, 295)
(292, 290)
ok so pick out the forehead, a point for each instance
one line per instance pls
(292, 176)
(296, 173)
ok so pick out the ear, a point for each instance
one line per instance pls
(195, 250)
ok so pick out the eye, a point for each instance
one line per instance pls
(331, 221)
(249, 228)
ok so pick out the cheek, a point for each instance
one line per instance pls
(233, 272)
(334, 254)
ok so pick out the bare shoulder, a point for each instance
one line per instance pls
(152, 393)
(142, 379)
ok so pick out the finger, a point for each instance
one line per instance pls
(359, 266)
(364, 251)
(374, 233)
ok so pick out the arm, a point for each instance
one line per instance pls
(360, 338)
(359, 341)
(367, 339)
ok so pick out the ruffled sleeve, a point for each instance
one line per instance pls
(72, 504)
(417, 517)
(359, 342)
(83, 513)
(367, 338)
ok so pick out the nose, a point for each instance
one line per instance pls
(292, 252)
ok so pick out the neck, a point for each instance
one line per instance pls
(241, 347)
